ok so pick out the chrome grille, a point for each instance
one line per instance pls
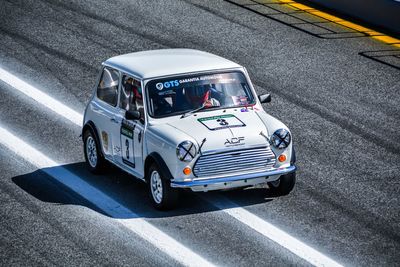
(235, 162)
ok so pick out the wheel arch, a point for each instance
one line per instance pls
(154, 157)
(293, 156)
(92, 128)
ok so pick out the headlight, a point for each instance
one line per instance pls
(280, 139)
(186, 151)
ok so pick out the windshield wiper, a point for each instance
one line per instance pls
(184, 115)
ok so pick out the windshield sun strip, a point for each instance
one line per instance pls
(247, 90)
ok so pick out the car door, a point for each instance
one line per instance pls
(105, 109)
(128, 147)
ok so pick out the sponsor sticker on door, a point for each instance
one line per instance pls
(127, 145)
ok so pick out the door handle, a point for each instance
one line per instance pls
(95, 109)
(114, 120)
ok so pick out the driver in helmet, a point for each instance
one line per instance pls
(207, 96)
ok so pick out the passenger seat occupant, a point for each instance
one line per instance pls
(107, 89)
(131, 97)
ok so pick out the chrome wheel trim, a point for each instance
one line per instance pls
(91, 151)
(156, 187)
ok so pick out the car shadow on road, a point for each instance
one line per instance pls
(127, 192)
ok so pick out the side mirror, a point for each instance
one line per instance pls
(132, 115)
(265, 98)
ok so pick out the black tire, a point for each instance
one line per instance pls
(284, 185)
(98, 165)
(169, 196)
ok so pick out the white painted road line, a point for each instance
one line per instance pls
(139, 226)
(261, 226)
(273, 233)
(41, 97)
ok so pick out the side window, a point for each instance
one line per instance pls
(131, 97)
(108, 86)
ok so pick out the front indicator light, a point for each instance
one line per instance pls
(282, 158)
(187, 170)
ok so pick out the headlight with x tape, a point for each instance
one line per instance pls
(186, 151)
(280, 138)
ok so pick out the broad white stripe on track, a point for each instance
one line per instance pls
(256, 223)
(41, 97)
(111, 207)
(273, 233)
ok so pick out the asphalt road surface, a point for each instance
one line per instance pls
(342, 108)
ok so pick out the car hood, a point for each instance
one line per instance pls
(238, 128)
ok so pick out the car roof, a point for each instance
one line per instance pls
(164, 62)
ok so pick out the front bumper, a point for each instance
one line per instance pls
(241, 180)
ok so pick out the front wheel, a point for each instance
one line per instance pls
(284, 185)
(163, 196)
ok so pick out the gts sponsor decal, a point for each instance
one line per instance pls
(167, 85)
(204, 78)
(235, 141)
(174, 83)
(221, 122)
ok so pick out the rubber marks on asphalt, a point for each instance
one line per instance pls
(105, 203)
(134, 223)
(41, 97)
(273, 233)
(310, 20)
(387, 57)
(109, 206)
(321, 25)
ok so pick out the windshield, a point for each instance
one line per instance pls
(181, 94)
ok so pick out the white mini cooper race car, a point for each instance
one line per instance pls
(181, 118)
